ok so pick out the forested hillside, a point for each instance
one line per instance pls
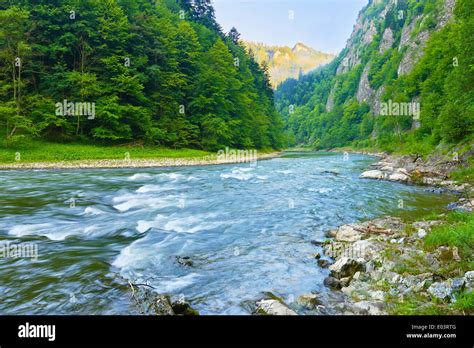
(154, 72)
(284, 62)
(412, 58)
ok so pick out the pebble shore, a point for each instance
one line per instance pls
(132, 163)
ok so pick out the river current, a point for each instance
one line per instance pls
(247, 229)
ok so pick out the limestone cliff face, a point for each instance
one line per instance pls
(371, 32)
(285, 62)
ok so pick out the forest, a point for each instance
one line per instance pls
(154, 72)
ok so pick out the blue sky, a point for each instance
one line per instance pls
(322, 24)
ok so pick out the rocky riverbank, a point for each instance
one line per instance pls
(391, 266)
(383, 263)
(384, 266)
(410, 169)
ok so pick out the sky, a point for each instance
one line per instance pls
(322, 24)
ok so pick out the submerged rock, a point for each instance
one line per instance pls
(151, 303)
(332, 283)
(183, 308)
(185, 261)
(310, 301)
(323, 263)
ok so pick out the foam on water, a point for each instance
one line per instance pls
(180, 224)
(243, 174)
(129, 201)
(321, 190)
(48, 230)
(93, 211)
(140, 176)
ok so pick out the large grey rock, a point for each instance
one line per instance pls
(364, 91)
(332, 283)
(373, 174)
(346, 267)
(458, 284)
(414, 52)
(330, 102)
(347, 233)
(273, 307)
(387, 40)
(400, 177)
(441, 290)
(469, 278)
(366, 249)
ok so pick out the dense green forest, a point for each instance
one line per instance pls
(441, 81)
(153, 72)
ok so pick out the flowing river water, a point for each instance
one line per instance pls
(247, 229)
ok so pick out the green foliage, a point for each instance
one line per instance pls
(465, 174)
(153, 76)
(41, 151)
(465, 303)
(459, 234)
(383, 68)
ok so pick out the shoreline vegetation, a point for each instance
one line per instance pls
(41, 155)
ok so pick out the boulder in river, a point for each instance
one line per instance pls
(323, 263)
(310, 301)
(185, 261)
(332, 283)
(183, 308)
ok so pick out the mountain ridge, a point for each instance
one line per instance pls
(286, 62)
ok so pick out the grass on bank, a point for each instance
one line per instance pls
(41, 151)
(465, 174)
(457, 230)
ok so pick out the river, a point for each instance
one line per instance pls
(247, 229)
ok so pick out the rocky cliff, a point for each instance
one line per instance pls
(374, 31)
(284, 62)
(402, 54)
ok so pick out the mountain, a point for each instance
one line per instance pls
(284, 62)
(154, 72)
(404, 80)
